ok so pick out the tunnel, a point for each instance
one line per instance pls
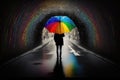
(23, 35)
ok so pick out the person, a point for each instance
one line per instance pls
(58, 38)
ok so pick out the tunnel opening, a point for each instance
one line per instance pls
(82, 34)
(60, 25)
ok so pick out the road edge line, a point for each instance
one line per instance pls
(97, 55)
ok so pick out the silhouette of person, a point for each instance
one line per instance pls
(58, 38)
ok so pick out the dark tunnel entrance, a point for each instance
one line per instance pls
(82, 31)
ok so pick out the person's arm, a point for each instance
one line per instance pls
(63, 35)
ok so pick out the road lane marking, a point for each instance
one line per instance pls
(73, 51)
(91, 52)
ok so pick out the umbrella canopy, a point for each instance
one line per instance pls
(59, 24)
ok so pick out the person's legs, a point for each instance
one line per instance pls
(60, 50)
(57, 50)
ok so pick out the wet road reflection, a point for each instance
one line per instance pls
(43, 62)
(71, 67)
(58, 69)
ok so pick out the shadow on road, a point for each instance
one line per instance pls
(58, 69)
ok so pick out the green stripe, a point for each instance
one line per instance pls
(69, 26)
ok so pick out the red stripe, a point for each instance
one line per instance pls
(52, 27)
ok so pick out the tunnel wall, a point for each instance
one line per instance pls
(22, 24)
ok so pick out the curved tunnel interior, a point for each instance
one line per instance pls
(23, 25)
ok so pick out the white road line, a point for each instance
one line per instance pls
(74, 52)
(102, 58)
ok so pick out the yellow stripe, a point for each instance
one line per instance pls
(64, 28)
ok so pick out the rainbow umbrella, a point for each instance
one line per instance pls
(59, 24)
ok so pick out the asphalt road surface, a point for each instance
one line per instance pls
(75, 62)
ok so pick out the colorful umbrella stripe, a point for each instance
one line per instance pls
(60, 24)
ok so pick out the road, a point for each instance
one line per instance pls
(75, 62)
